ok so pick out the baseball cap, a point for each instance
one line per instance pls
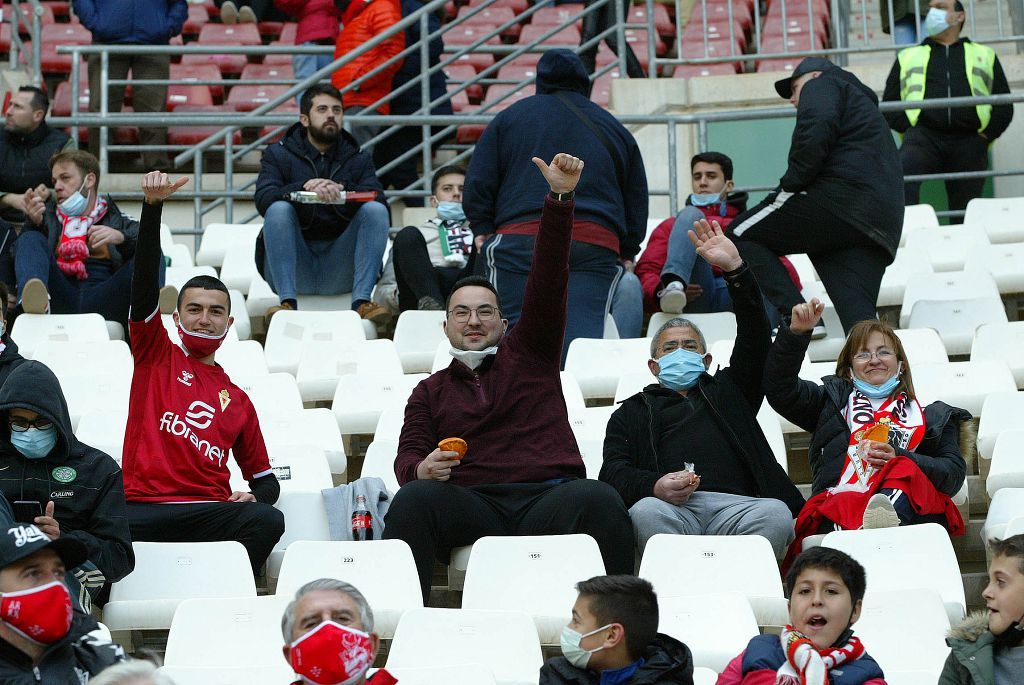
(784, 87)
(23, 539)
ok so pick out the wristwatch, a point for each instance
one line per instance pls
(562, 197)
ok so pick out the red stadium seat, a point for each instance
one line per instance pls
(456, 73)
(198, 16)
(267, 72)
(773, 25)
(234, 34)
(663, 24)
(719, 12)
(517, 72)
(797, 42)
(490, 16)
(698, 70)
(60, 8)
(559, 14)
(569, 36)
(716, 29)
(694, 49)
(460, 101)
(246, 98)
(193, 135)
(25, 23)
(799, 7)
(199, 72)
(5, 37)
(288, 33)
(601, 92)
(227, 63)
(280, 58)
(61, 106)
(637, 39)
(496, 98)
(188, 95)
(467, 35)
(271, 29)
(290, 107)
(517, 6)
(786, 64)
(53, 35)
(478, 60)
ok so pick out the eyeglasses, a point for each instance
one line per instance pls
(484, 313)
(19, 425)
(673, 345)
(882, 355)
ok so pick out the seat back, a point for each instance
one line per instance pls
(248, 631)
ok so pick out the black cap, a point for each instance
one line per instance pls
(23, 539)
(784, 87)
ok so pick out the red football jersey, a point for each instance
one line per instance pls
(183, 417)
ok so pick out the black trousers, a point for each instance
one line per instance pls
(434, 517)
(849, 264)
(416, 275)
(597, 21)
(925, 151)
(256, 525)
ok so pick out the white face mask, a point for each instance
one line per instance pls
(571, 650)
(936, 21)
(75, 203)
(473, 358)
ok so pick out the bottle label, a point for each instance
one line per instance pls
(361, 522)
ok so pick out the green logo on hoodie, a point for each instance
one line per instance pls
(64, 474)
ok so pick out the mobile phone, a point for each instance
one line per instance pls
(26, 511)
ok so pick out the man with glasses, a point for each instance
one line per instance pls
(521, 473)
(687, 454)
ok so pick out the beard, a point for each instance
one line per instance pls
(323, 135)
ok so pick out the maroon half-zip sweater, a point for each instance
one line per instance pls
(510, 410)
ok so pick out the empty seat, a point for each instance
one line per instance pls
(894, 280)
(267, 72)
(217, 238)
(102, 358)
(956, 320)
(248, 631)
(389, 425)
(922, 346)
(32, 329)
(1001, 217)
(193, 135)
(916, 217)
(1007, 505)
(305, 518)
(417, 336)
(1007, 469)
(463, 674)
(379, 462)
(532, 573)
(242, 359)
(232, 675)
(245, 97)
(198, 72)
(598, 364)
(84, 391)
(947, 247)
(298, 467)
(227, 63)
(193, 96)
(953, 285)
(359, 399)
(290, 330)
(714, 327)
(316, 426)
(323, 363)
(271, 393)
(1002, 342)
(904, 630)
(962, 384)
(104, 430)
(224, 34)
(1000, 411)
(568, 36)
(715, 626)
(1002, 262)
(558, 14)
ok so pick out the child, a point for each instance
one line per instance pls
(826, 587)
(987, 647)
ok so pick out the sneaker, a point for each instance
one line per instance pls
(283, 307)
(246, 15)
(371, 311)
(35, 299)
(429, 304)
(818, 332)
(673, 298)
(879, 513)
(229, 13)
(168, 299)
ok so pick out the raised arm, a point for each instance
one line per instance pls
(798, 400)
(157, 187)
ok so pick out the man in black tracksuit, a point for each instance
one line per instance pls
(840, 200)
(947, 140)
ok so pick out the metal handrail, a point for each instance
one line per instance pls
(35, 30)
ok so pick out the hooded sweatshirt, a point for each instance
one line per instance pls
(503, 187)
(72, 660)
(83, 483)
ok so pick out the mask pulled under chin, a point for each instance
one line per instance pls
(200, 345)
(473, 358)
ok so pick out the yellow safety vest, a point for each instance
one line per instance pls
(979, 60)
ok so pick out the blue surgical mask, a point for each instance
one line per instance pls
(571, 650)
(451, 211)
(935, 21)
(705, 199)
(76, 203)
(877, 392)
(35, 443)
(680, 369)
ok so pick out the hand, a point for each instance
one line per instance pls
(34, 207)
(628, 264)
(713, 246)
(157, 186)
(47, 523)
(238, 496)
(15, 201)
(805, 316)
(437, 466)
(563, 173)
(676, 488)
(326, 190)
(693, 292)
(478, 241)
(42, 192)
(104, 235)
(879, 453)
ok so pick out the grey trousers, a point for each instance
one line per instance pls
(714, 513)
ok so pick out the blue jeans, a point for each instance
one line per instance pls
(628, 305)
(905, 30)
(305, 66)
(349, 263)
(683, 264)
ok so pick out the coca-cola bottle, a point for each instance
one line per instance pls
(362, 522)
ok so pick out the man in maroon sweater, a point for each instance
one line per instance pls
(522, 473)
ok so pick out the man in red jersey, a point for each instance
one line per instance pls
(185, 414)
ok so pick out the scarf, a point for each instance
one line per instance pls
(455, 239)
(806, 664)
(905, 421)
(73, 248)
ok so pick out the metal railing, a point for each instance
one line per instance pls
(35, 30)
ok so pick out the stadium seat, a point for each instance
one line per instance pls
(571, 392)
(1000, 217)
(598, 364)
(504, 640)
(557, 15)
(478, 60)
(469, 34)
(167, 573)
(962, 384)
(359, 399)
(893, 558)
(739, 12)
(389, 425)
(1007, 505)
(103, 430)
(905, 629)
(894, 281)
(463, 674)
(1003, 342)
(518, 6)
(715, 626)
(490, 16)
(588, 426)
(917, 217)
(30, 330)
(632, 382)
(267, 72)
(532, 573)
(298, 467)
(198, 72)
(457, 74)
(772, 429)
(51, 36)
(704, 676)
(248, 631)
(193, 135)
(714, 327)
(955, 285)
(1007, 470)
(272, 393)
(84, 391)
(227, 63)
(383, 570)
(184, 95)
(290, 330)
(61, 106)
(1015, 527)
(922, 346)
(601, 89)
(246, 98)
(323, 363)
(1002, 262)
(683, 565)
(102, 358)
(316, 426)
(305, 518)
(947, 247)
(956, 321)
(178, 255)
(224, 34)
(417, 335)
(662, 21)
(379, 462)
(242, 359)
(1000, 411)
(442, 356)
(568, 37)
(233, 675)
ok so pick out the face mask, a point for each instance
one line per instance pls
(571, 650)
(332, 654)
(473, 358)
(680, 369)
(451, 211)
(705, 199)
(41, 614)
(876, 392)
(35, 443)
(75, 204)
(200, 345)
(935, 21)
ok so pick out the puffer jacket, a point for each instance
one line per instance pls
(667, 661)
(132, 22)
(362, 21)
(72, 660)
(113, 218)
(971, 661)
(318, 19)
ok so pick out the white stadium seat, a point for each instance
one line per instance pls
(772, 429)
(234, 675)
(951, 285)
(359, 400)
(305, 518)
(29, 330)
(715, 626)
(389, 425)
(894, 280)
(1002, 263)
(298, 467)
(217, 238)
(289, 331)
(922, 346)
(598, 364)
(632, 382)
(1015, 527)
(1006, 506)
(961, 384)
(242, 325)
(1000, 411)
(1007, 470)
(417, 335)
(178, 254)
(1003, 341)
(957, 321)
(379, 462)
(271, 393)
(463, 674)
(571, 392)
(588, 426)
(248, 631)
(239, 265)
(101, 358)
(947, 247)
(322, 363)
(1000, 217)
(442, 356)
(704, 676)
(177, 276)
(242, 359)
(85, 392)
(917, 217)
(104, 430)
(714, 327)
(904, 630)
(315, 426)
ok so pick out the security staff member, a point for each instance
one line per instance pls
(947, 140)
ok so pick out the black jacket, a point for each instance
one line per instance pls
(70, 661)
(734, 394)
(113, 218)
(667, 661)
(84, 484)
(818, 410)
(946, 77)
(408, 101)
(25, 162)
(843, 156)
(10, 358)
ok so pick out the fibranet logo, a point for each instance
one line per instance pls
(200, 416)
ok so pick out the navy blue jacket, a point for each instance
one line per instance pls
(764, 652)
(133, 22)
(503, 187)
(408, 101)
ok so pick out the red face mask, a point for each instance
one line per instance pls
(332, 654)
(199, 344)
(41, 614)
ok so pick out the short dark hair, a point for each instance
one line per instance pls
(479, 281)
(206, 283)
(84, 161)
(444, 171)
(958, 6)
(306, 101)
(40, 100)
(714, 158)
(1011, 548)
(624, 599)
(834, 560)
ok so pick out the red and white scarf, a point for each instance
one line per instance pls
(73, 248)
(806, 664)
(906, 429)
